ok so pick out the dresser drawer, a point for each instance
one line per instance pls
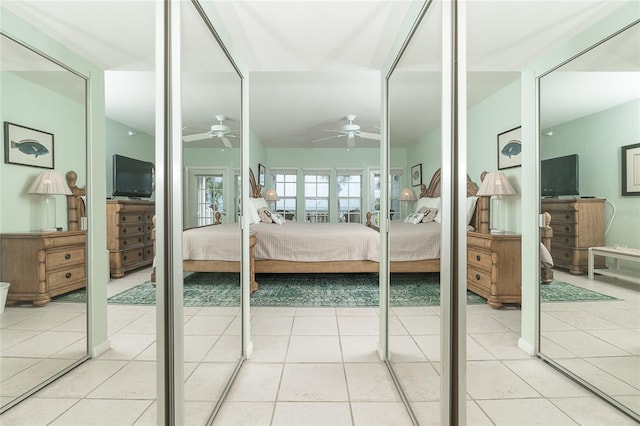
(564, 241)
(561, 254)
(62, 258)
(479, 259)
(67, 275)
(148, 252)
(131, 230)
(563, 216)
(133, 217)
(132, 256)
(479, 279)
(131, 242)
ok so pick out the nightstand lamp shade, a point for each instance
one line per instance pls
(272, 195)
(406, 196)
(48, 184)
(496, 184)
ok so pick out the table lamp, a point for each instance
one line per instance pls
(496, 185)
(47, 184)
(272, 195)
(406, 195)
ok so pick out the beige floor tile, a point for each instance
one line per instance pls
(36, 411)
(37, 373)
(256, 382)
(405, 349)
(315, 312)
(606, 382)
(314, 349)
(244, 414)
(583, 344)
(269, 348)
(207, 381)
(103, 412)
(44, 320)
(207, 325)
(225, 349)
(623, 338)
(127, 346)
(195, 414)
(420, 381)
(84, 380)
(481, 322)
(421, 324)
(197, 346)
(360, 348)
(477, 351)
(370, 382)
(428, 413)
(583, 320)
(492, 380)
(312, 414)
(313, 382)
(626, 368)
(430, 346)
(271, 325)
(136, 380)
(145, 324)
(524, 412)
(270, 312)
(11, 366)
(356, 325)
(380, 414)
(592, 411)
(315, 326)
(44, 344)
(500, 345)
(547, 381)
(349, 312)
(396, 328)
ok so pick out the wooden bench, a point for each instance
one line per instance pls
(618, 253)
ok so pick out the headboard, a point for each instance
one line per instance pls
(480, 220)
(255, 190)
(76, 208)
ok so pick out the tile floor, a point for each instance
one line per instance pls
(318, 366)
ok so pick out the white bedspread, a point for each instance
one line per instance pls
(414, 242)
(316, 242)
(214, 242)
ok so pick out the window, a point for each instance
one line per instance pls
(209, 197)
(395, 184)
(286, 184)
(316, 195)
(348, 192)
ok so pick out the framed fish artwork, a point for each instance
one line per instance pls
(28, 147)
(509, 148)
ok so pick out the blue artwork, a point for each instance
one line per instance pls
(30, 147)
(512, 148)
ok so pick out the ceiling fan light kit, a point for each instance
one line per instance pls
(350, 130)
(220, 130)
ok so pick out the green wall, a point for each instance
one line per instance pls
(597, 139)
(52, 113)
(485, 120)
(428, 152)
(140, 146)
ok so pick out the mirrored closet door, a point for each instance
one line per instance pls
(414, 105)
(211, 155)
(43, 328)
(589, 146)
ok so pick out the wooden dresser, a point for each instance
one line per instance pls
(129, 226)
(41, 265)
(494, 267)
(577, 225)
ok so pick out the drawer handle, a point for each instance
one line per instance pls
(68, 275)
(478, 257)
(140, 254)
(566, 228)
(139, 228)
(124, 231)
(124, 218)
(567, 255)
(566, 240)
(67, 256)
(124, 243)
(139, 217)
(124, 257)
(477, 276)
(139, 240)
(567, 216)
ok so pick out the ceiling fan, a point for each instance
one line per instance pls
(350, 131)
(219, 130)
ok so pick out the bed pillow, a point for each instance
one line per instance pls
(431, 203)
(429, 213)
(471, 207)
(414, 218)
(265, 215)
(277, 218)
(254, 205)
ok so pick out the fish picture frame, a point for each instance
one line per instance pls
(27, 146)
(510, 148)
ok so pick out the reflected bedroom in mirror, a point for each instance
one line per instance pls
(42, 248)
(589, 110)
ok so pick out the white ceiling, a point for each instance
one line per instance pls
(311, 62)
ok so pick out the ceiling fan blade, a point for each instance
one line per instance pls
(226, 142)
(327, 138)
(333, 130)
(370, 135)
(351, 141)
(196, 137)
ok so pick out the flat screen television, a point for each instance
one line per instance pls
(132, 178)
(560, 176)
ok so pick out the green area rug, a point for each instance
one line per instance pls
(336, 290)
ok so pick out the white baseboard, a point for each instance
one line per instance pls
(98, 350)
(249, 349)
(526, 347)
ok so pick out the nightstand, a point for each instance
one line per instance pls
(41, 265)
(494, 267)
